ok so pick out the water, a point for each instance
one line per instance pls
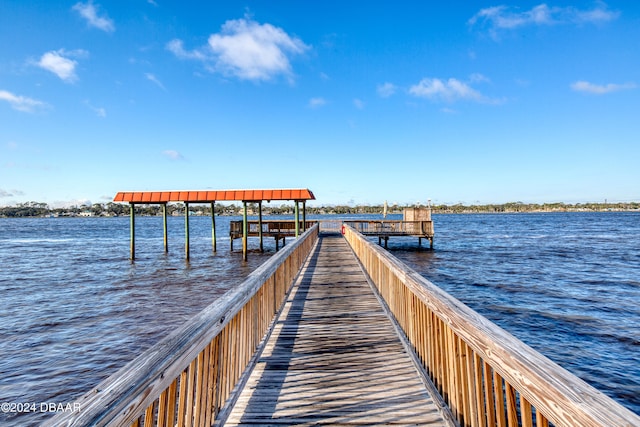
(75, 309)
(567, 284)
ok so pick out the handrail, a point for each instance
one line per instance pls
(486, 376)
(186, 378)
(391, 227)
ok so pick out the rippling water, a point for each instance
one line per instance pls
(75, 309)
(567, 284)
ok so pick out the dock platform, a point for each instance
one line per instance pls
(383, 229)
(334, 357)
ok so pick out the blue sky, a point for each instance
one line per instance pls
(361, 102)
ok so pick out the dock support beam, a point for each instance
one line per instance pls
(186, 230)
(245, 231)
(213, 227)
(296, 211)
(132, 227)
(304, 216)
(164, 227)
(260, 225)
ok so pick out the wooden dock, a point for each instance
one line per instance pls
(383, 229)
(334, 357)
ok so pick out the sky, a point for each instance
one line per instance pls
(362, 102)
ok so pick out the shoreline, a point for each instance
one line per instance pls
(464, 211)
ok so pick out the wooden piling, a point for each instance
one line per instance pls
(245, 231)
(260, 225)
(132, 227)
(304, 216)
(165, 228)
(296, 209)
(213, 227)
(186, 230)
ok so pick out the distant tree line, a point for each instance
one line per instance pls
(37, 209)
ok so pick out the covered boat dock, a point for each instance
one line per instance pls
(211, 196)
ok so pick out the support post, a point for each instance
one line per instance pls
(213, 227)
(296, 210)
(132, 227)
(165, 228)
(260, 225)
(186, 230)
(245, 230)
(304, 216)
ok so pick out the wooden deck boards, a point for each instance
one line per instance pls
(334, 357)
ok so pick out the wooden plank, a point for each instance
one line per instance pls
(333, 357)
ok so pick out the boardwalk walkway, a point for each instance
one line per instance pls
(334, 357)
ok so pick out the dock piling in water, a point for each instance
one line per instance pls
(132, 231)
(213, 227)
(186, 230)
(165, 228)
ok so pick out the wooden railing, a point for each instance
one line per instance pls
(186, 378)
(486, 376)
(392, 227)
(269, 228)
(331, 226)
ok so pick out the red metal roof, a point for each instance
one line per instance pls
(212, 196)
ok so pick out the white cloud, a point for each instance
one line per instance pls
(317, 102)
(508, 18)
(173, 155)
(247, 50)
(152, 78)
(90, 13)
(583, 86)
(100, 112)
(385, 90)
(450, 90)
(21, 103)
(478, 78)
(177, 48)
(358, 103)
(59, 63)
